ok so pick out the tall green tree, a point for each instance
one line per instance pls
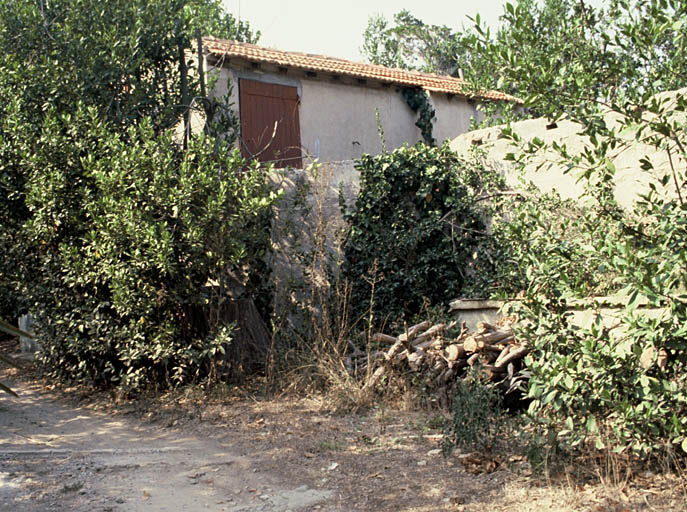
(548, 53)
(112, 232)
(120, 57)
(410, 43)
(562, 56)
(620, 74)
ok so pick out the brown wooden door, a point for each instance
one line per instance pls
(270, 127)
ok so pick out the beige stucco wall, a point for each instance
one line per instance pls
(549, 178)
(453, 116)
(338, 121)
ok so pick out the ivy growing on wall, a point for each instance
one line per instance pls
(418, 100)
(416, 223)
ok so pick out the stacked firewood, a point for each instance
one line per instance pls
(430, 352)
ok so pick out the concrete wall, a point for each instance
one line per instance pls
(582, 312)
(550, 177)
(338, 121)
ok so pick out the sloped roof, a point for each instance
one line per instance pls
(320, 63)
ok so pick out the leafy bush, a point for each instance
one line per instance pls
(527, 225)
(622, 388)
(124, 244)
(594, 389)
(626, 390)
(130, 234)
(119, 57)
(608, 70)
(414, 227)
(477, 417)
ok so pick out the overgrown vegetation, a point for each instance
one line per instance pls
(158, 233)
(126, 244)
(620, 389)
(418, 218)
(587, 52)
(529, 223)
(418, 101)
(477, 417)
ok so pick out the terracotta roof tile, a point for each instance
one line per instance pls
(321, 63)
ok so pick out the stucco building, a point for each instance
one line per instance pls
(294, 107)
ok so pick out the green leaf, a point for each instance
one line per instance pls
(591, 425)
(610, 166)
(644, 381)
(569, 423)
(634, 300)
(569, 382)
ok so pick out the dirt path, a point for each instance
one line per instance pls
(194, 452)
(57, 456)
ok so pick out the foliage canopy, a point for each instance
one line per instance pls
(113, 233)
(550, 53)
(619, 387)
(414, 227)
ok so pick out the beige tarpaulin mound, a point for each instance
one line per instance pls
(546, 171)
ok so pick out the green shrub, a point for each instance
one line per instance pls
(610, 70)
(131, 235)
(592, 389)
(477, 418)
(597, 385)
(530, 224)
(622, 389)
(415, 225)
(124, 245)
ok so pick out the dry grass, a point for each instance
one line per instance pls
(388, 459)
(312, 359)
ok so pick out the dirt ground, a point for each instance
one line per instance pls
(69, 451)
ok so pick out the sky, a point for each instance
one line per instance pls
(335, 28)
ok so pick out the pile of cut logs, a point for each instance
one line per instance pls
(430, 352)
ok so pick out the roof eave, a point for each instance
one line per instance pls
(215, 47)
